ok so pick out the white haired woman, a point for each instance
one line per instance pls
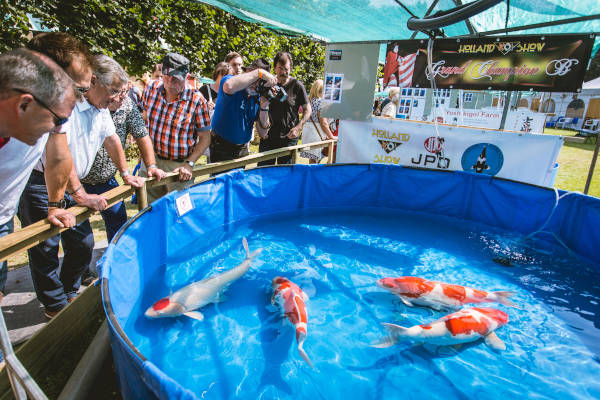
(318, 128)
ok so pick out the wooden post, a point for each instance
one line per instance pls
(295, 156)
(142, 197)
(592, 166)
(330, 159)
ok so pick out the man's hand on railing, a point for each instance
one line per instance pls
(60, 217)
(93, 201)
(156, 173)
(135, 181)
(185, 172)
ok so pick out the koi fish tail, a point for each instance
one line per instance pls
(300, 336)
(394, 332)
(503, 298)
(250, 256)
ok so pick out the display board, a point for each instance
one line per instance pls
(520, 120)
(522, 157)
(553, 63)
(350, 80)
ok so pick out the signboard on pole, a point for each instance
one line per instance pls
(552, 63)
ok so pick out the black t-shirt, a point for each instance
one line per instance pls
(204, 90)
(284, 115)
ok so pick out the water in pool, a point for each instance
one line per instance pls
(245, 349)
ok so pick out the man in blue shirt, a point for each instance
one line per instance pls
(238, 107)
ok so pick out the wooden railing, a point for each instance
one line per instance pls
(36, 233)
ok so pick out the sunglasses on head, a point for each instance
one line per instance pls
(57, 119)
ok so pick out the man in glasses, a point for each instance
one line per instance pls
(178, 122)
(36, 96)
(89, 128)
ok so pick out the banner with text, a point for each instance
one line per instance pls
(525, 158)
(520, 120)
(542, 63)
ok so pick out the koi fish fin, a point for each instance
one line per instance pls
(503, 298)
(301, 349)
(494, 341)
(406, 301)
(394, 332)
(195, 315)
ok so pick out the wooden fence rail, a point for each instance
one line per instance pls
(36, 233)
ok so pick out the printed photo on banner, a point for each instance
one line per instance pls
(332, 92)
(401, 58)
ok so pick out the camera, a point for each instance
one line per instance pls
(280, 93)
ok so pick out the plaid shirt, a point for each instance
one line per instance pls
(174, 126)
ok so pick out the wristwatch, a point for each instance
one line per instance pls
(58, 204)
(190, 163)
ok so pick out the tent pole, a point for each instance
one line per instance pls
(505, 111)
(542, 25)
(431, 7)
(592, 166)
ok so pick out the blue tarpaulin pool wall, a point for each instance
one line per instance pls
(155, 237)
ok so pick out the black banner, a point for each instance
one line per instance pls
(545, 63)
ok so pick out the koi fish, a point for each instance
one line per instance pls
(467, 325)
(415, 291)
(291, 299)
(198, 294)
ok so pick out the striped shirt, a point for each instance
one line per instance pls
(174, 126)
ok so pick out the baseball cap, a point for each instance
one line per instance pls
(258, 63)
(175, 65)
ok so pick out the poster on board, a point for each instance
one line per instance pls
(332, 88)
(537, 62)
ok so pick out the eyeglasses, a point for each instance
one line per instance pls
(57, 119)
(83, 90)
(117, 93)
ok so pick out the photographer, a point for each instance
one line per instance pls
(238, 106)
(286, 125)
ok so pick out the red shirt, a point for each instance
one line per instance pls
(3, 141)
(174, 127)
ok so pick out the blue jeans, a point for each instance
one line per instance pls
(5, 229)
(54, 285)
(114, 217)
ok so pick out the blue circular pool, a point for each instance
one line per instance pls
(334, 231)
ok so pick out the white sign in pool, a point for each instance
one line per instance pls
(522, 157)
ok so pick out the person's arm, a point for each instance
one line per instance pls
(325, 126)
(113, 147)
(295, 131)
(264, 122)
(147, 152)
(93, 201)
(59, 164)
(242, 81)
(202, 143)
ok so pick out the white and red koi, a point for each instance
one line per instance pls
(198, 294)
(467, 325)
(415, 291)
(291, 299)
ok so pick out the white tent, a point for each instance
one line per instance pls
(593, 84)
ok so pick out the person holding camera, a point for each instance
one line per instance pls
(286, 125)
(238, 106)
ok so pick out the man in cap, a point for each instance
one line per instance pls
(178, 122)
(238, 107)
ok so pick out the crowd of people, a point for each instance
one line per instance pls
(65, 120)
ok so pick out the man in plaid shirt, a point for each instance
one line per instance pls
(178, 122)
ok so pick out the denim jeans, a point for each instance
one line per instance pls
(114, 217)
(5, 229)
(272, 143)
(54, 285)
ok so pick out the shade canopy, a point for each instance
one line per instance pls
(385, 20)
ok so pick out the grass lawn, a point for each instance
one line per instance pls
(574, 163)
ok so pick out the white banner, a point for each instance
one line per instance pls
(512, 155)
(521, 120)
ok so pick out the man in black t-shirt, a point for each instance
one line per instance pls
(286, 125)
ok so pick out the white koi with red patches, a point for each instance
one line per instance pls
(467, 325)
(415, 291)
(290, 299)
